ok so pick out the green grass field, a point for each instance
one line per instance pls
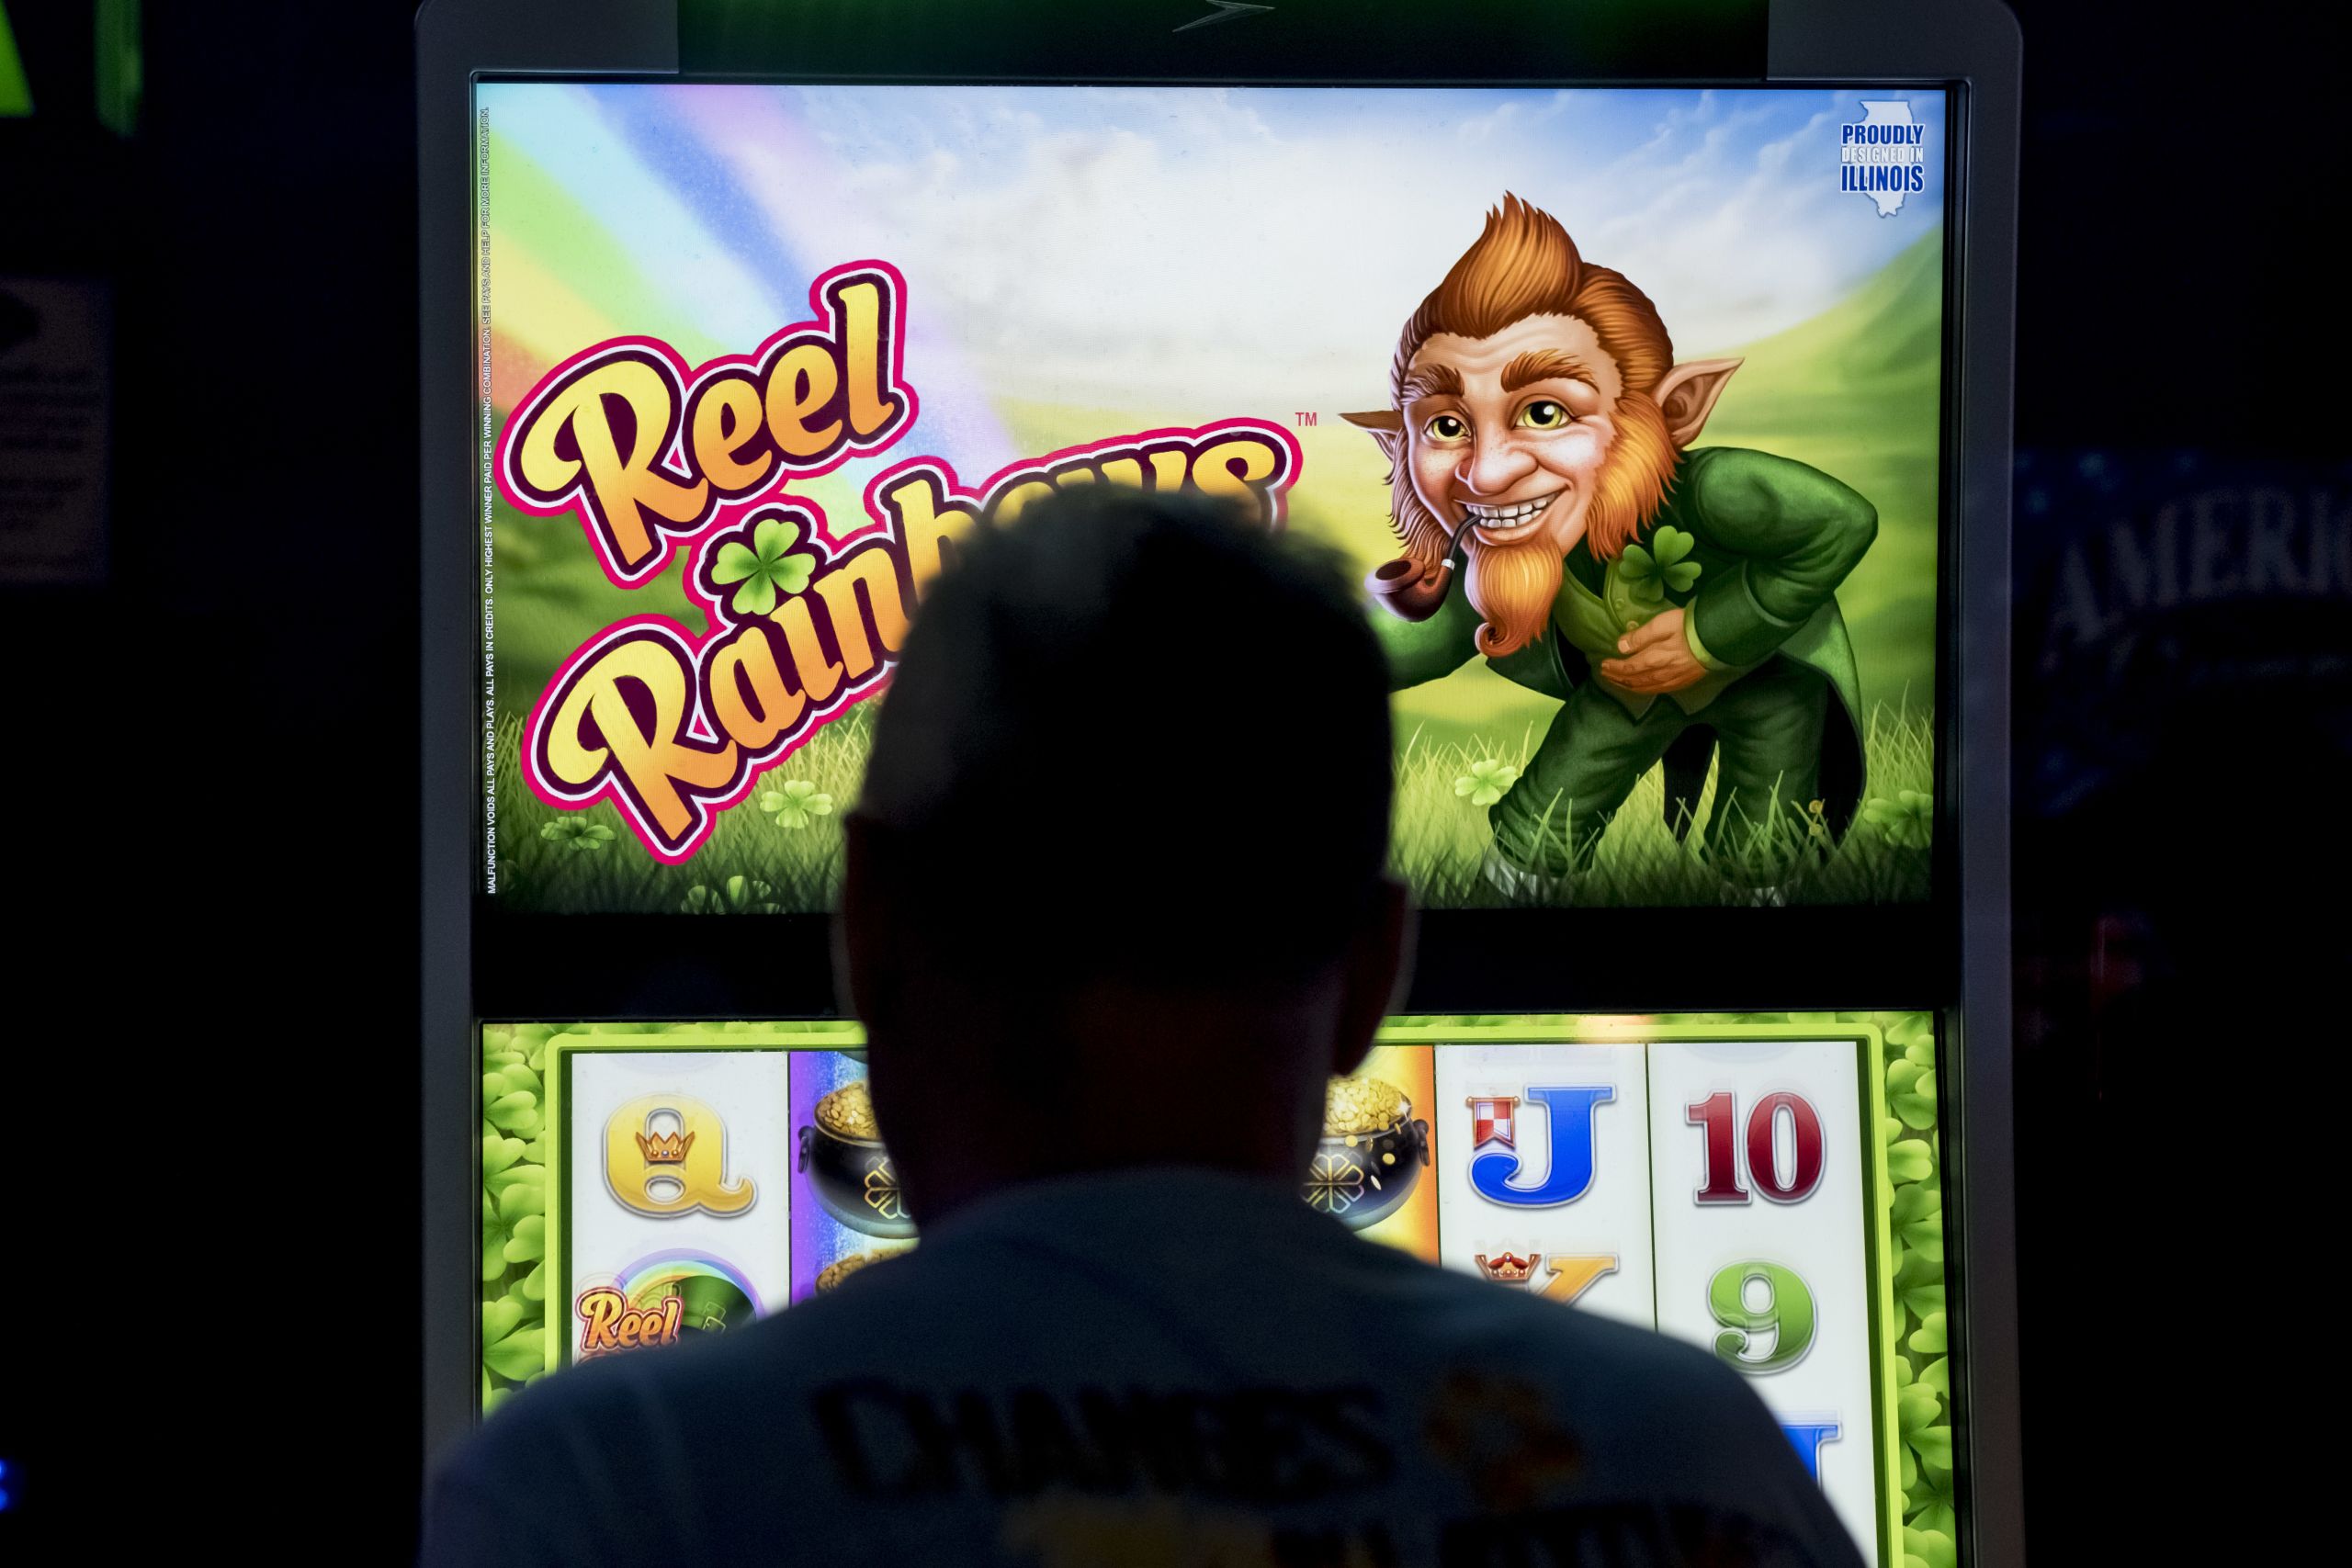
(757, 860)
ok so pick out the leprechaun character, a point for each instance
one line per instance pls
(1556, 522)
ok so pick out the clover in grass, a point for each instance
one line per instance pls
(1907, 820)
(765, 567)
(1487, 782)
(1650, 571)
(796, 804)
(577, 833)
(736, 896)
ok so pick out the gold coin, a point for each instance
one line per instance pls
(848, 1112)
(1355, 1108)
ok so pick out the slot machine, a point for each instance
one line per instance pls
(736, 315)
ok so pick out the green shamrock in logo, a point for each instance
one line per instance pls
(1650, 575)
(1486, 781)
(796, 804)
(769, 567)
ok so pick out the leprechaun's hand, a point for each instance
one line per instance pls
(1655, 657)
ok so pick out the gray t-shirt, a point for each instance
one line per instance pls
(1155, 1367)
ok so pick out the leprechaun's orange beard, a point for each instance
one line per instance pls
(1512, 587)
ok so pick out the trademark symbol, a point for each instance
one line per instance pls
(1303, 420)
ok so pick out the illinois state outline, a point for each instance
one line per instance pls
(1888, 202)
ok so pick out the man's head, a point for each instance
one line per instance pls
(1535, 404)
(1116, 888)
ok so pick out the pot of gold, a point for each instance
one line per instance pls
(1371, 1153)
(829, 1278)
(848, 1168)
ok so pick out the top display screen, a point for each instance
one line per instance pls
(1627, 403)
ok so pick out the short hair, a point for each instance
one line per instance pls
(1134, 734)
(1523, 264)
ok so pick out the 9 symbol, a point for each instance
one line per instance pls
(1754, 1300)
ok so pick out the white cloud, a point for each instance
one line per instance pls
(1197, 252)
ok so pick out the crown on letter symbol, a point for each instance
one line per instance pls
(1509, 1268)
(666, 1148)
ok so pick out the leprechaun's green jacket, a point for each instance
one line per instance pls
(1771, 539)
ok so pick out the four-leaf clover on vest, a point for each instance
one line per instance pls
(767, 567)
(1650, 572)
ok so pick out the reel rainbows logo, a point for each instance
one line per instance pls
(608, 1322)
(655, 458)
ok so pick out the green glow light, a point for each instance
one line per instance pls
(15, 93)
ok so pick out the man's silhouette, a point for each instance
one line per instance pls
(1115, 914)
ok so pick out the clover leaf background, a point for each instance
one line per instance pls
(517, 1347)
(1920, 1358)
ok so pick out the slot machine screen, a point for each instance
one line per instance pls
(1658, 583)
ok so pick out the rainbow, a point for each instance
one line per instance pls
(698, 214)
(659, 1269)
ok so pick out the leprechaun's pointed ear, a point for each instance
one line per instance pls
(1387, 427)
(1687, 395)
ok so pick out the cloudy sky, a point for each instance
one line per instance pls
(1182, 240)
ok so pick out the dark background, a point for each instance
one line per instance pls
(210, 767)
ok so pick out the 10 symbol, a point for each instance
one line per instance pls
(1719, 1114)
